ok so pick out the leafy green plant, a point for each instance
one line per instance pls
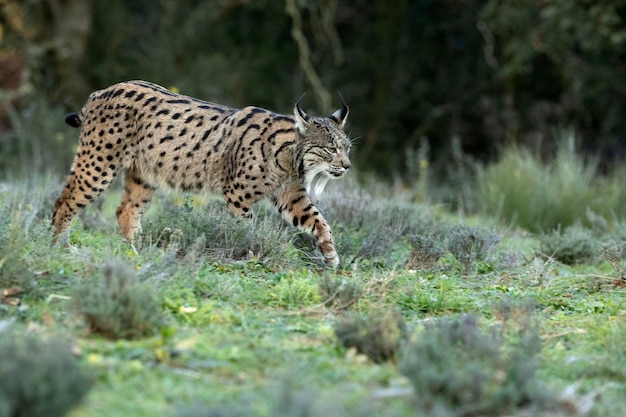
(294, 291)
(39, 375)
(379, 336)
(116, 305)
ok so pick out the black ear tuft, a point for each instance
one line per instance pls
(302, 119)
(72, 119)
(341, 115)
(298, 110)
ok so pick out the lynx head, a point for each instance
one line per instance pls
(323, 147)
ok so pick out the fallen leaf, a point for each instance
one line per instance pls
(12, 291)
(12, 301)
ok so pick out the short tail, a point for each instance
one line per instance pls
(72, 119)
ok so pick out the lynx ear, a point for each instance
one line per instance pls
(302, 119)
(341, 116)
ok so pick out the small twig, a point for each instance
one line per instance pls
(565, 333)
(56, 296)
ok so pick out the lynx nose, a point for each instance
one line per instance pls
(345, 164)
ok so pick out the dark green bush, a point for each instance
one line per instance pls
(39, 376)
(378, 336)
(458, 369)
(572, 245)
(116, 305)
(39, 141)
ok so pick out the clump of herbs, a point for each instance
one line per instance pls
(39, 375)
(223, 237)
(379, 336)
(339, 293)
(117, 305)
(469, 245)
(572, 246)
(425, 251)
(457, 368)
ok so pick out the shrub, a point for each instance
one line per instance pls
(612, 252)
(39, 376)
(39, 142)
(294, 291)
(12, 243)
(366, 227)
(457, 369)
(425, 252)
(116, 305)
(215, 233)
(468, 244)
(378, 336)
(539, 195)
(339, 293)
(571, 246)
(289, 397)
(19, 226)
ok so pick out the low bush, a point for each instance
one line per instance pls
(540, 195)
(218, 235)
(468, 244)
(425, 251)
(571, 246)
(339, 293)
(116, 305)
(21, 225)
(458, 369)
(379, 336)
(366, 227)
(39, 376)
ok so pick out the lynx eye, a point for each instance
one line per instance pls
(331, 151)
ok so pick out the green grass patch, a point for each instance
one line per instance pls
(430, 313)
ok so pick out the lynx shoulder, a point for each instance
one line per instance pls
(161, 139)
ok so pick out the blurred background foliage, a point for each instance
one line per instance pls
(472, 74)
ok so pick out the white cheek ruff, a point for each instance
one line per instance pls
(315, 181)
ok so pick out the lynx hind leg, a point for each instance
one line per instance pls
(88, 179)
(135, 200)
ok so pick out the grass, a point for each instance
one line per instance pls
(541, 194)
(430, 313)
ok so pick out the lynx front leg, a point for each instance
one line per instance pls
(296, 207)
